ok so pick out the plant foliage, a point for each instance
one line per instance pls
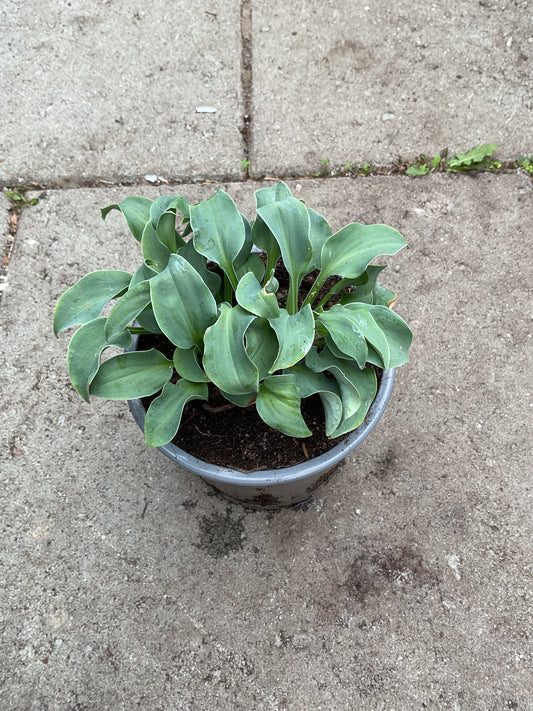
(219, 304)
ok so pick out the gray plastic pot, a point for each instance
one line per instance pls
(272, 488)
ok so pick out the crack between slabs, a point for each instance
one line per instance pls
(390, 170)
(246, 82)
(12, 214)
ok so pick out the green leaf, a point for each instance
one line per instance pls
(84, 301)
(276, 193)
(212, 279)
(167, 203)
(295, 335)
(186, 364)
(288, 220)
(146, 320)
(131, 375)
(310, 383)
(246, 248)
(346, 333)
(154, 251)
(126, 309)
(136, 210)
(239, 400)
(319, 233)
(361, 288)
(366, 383)
(417, 169)
(253, 298)
(345, 373)
(182, 303)
(397, 332)
(225, 361)
(278, 404)
(261, 235)
(163, 417)
(84, 351)
(261, 346)
(219, 232)
(264, 239)
(144, 272)
(471, 158)
(253, 264)
(383, 296)
(350, 325)
(349, 251)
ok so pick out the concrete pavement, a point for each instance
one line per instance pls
(406, 583)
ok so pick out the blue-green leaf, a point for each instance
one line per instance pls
(397, 332)
(288, 220)
(319, 233)
(225, 361)
(348, 252)
(182, 303)
(253, 264)
(261, 346)
(154, 251)
(239, 400)
(213, 280)
(186, 364)
(144, 272)
(277, 192)
(219, 231)
(246, 248)
(345, 332)
(163, 417)
(366, 383)
(167, 203)
(135, 300)
(146, 320)
(362, 288)
(84, 301)
(84, 351)
(253, 298)
(310, 383)
(295, 335)
(131, 375)
(344, 372)
(136, 210)
(278, 404)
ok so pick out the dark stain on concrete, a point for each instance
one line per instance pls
(220, 534)
(374, 574)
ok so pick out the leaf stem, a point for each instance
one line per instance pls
(313, 291)
(292, 296)
(334, 290)
(228, 290)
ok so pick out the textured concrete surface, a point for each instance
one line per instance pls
(111, 89)
(405, 584)
(370, 81)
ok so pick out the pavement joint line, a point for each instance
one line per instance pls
(246, 82)
(389, 170)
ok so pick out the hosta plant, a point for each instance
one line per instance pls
(218, 301)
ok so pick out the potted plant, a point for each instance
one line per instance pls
(242, 320)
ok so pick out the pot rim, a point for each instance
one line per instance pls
(267, 477)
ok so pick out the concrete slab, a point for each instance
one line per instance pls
(368, 82)
(405, 584)
(111, 90)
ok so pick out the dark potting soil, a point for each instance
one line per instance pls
(226, 435)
